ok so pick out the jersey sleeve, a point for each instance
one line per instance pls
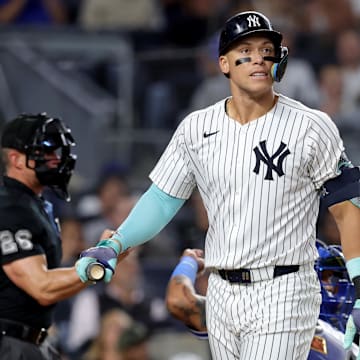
(326, 149)
(20, 234)
(173, 174)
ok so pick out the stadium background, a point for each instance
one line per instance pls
(122, 75)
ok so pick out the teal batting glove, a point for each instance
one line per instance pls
(81, 267)
(104, 254)
(352, 327)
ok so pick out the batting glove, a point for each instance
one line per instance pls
(352, 327)
(105, 253)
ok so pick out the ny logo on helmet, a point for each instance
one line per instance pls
(253, 21)
(263, 155)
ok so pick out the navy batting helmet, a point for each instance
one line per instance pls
(249, 23)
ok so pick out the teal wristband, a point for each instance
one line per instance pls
(188, 267)
(353, 267)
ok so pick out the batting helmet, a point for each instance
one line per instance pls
(338, 294)
(249, 23)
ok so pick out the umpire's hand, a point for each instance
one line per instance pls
(352, 327)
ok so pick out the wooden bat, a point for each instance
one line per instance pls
(95, 271)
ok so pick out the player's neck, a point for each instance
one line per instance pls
(245, 109)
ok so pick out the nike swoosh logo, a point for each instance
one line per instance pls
(210, 134)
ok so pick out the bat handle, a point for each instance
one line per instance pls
(95, 271)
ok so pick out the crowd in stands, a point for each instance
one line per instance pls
(323, 37)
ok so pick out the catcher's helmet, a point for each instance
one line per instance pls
(37, 135)
(338, 294)
(249, 23)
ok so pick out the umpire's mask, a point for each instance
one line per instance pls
(36, 136)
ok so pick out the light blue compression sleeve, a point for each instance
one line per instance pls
(150, 215)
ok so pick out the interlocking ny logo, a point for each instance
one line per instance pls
(253, 21)
(263, 155)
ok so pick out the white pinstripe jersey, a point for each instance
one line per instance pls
(259, 181)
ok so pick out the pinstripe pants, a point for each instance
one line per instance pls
(268, 320)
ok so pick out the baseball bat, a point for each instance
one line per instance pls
(95, 271)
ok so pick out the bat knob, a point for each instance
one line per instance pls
(95, 271)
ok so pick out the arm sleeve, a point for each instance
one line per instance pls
(150, 215)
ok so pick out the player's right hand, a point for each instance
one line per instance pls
(104, 255)
(352, 327)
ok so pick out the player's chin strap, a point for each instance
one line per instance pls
(279, 66)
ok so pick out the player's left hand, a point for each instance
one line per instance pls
(352, 327)
(100, 254)
(198, 255)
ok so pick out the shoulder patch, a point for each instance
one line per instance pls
(11, 243)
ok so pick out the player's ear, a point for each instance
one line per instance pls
(224, 64)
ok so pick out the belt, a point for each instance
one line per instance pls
(22, 331)
(248, 276)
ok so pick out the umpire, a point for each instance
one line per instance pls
(36, 152)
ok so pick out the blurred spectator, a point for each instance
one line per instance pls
(214, 85)
(72, 244)
(134, 343)
(33, 12)
(331, 91)
(120, 15)
(111, 191)
(329, 16)
(127, 291)
(299, 81)
(72, 240)
(192, 224)
(348, 55)
(355, 6)
(279, 10)
(190, 22)
(347, 46)
(73, 7)
(105, 346)
(348, 119)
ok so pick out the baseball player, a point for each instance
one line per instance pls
(185, 304)
(259, 160)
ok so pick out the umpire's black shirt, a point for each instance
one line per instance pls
(25, 230)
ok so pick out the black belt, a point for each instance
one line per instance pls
(22, 331)
(243, 276)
